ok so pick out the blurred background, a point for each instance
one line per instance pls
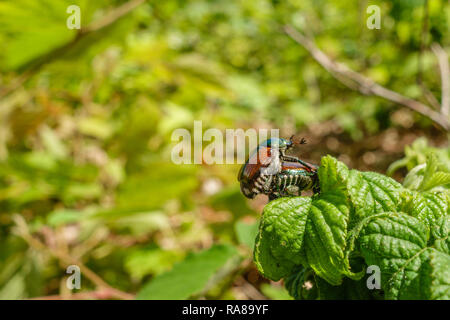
(86, 118)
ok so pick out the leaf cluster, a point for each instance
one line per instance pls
(361, 219)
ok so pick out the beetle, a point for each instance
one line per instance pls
(293, 178)
(268, 164)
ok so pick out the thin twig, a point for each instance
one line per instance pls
(102, 294)
(113, 16)
(250, 291)
(423, 41)
(360, 82)
(21, 230)
(445, 77)
(36, 64)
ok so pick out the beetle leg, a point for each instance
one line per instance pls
(273, 196)
(295, 159)
(268, 183)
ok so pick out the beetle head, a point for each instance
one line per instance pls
(279, 143)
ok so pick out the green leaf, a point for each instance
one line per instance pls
(438, 179)
(427, 207)
(299, 284)
(328, 222)
(333, 174)
(246, 233)
(166, 180)
(279, 242)
(372, 193)
(136, 223)
(326, 233)
(53, 143)
(348, 290)
(14, 289)
(418, 152)
(414, 178)
(142, 262)
(440, 233)
(191, 276)
(389, 241)
(426, 177)
(275, 292)
(33, 29)
(394, 166)
(438, 276)
(426, 276)
(63, 216)
(320, 236)
(430, 169)
(397, 243)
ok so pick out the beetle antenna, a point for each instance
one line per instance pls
(296, 141)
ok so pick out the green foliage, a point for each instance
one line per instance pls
(410, 268)
(417, 153)
(86, 124)
(278, 244)
(151, 261)
(360, 214)
(275, 293)
(193, 275)
(349, 290)
(246, 233)
(427, 177)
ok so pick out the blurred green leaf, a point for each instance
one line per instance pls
(156, 185)
(63, 216)
(246, 232)
(151, 261)
(275, 292)
(192, 275)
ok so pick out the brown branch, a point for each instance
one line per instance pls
(445, 77)
(21, 229)
(249, 290)
(102, 294)
(361, 83)
(423, 40)
(36, 64)
(113, 16)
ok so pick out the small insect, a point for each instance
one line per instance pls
(270, 171)
(293, 178)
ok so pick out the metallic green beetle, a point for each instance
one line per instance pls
(270, 171)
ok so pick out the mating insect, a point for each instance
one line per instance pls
(292, 179)
(270, 171)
